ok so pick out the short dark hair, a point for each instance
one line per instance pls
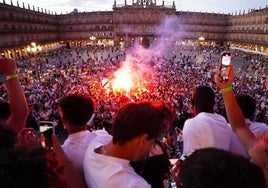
(247, 104)
(31, 168)
(204, 99)
(4, 109)
(7, 139)
(217, 168)
(135, 119)
(77, 109)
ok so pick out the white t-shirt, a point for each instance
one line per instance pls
(206, 130)
(76, 144)
(103, 171)
(256, 127)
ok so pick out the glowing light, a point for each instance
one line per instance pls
(39, 48)
(34, 49)
(123, 80)
(33, 44)
(201, 38)
(92, 37)
(28, 49)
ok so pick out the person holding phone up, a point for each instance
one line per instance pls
(208, 128)
(257, 147)
(225, 61)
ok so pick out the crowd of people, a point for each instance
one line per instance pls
(55, 85)
(46, 79)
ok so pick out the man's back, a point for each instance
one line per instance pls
(206, 130)
(75, 111)
(256, 127)
(76, 144)
(247, 105)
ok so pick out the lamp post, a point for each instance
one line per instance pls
(33, 49)
(201, 40)
(92, 39)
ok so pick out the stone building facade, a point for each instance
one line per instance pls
(27, 30)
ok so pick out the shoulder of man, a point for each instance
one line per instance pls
(101, 132)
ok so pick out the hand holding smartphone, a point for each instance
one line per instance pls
(225, 62)
(46, 131)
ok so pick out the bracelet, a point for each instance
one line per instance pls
(227, 89)
(12, 76)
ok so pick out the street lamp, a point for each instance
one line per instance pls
(92, 39)
(201, 40)
(33, 49)
(33, 44)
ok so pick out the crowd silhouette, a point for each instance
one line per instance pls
(43, 82)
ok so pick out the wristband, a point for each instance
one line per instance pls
(227, 89)
(12, 76)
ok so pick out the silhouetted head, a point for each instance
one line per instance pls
(76, 109)
(216, 168)
(247, 104)
(135, 119)
(4, 110)
(31, 168)
(204, 99)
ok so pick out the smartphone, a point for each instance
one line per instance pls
(46, 130)
(169, 183)
(225, 62)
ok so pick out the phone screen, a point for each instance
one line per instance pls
(226, 60)
(47, 139)
(170, 183)
(46, 131)
(224, 67)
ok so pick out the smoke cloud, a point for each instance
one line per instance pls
(140, 62)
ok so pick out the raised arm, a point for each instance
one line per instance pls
(234, 113)
(17, 100)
